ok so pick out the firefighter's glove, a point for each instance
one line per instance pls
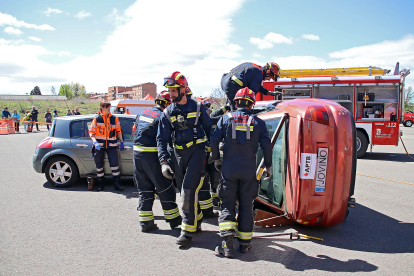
(217, 164)
(210, 158)
(121, 145)
(97, 146)
(167, 171)
(268, 172)
(274, 94)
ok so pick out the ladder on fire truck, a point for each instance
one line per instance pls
(332, 72)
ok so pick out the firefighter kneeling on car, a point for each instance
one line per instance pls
(104, 130)
(242, 132)
(148, 176)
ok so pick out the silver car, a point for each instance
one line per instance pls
(65, 155)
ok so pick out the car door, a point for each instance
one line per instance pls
(273, 189)
(126, 165)
(82, 145)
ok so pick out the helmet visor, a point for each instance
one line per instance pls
(170, 82)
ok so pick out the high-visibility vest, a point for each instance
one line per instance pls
(105, 130)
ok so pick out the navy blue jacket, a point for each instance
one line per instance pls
(259, 134)
(182, 137)
(146, 127)
(251, 75)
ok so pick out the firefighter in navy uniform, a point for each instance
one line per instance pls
(186, 125)
(147, 168)
(242, 133)
(249, 75)
(104, 130)
(213, 176)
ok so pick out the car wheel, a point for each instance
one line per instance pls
(361, 144)
(61, 172)
(408, 123)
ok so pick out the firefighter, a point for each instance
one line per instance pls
(249, 75)
(242, 132)
(188, 92)
(186, 125)
(147, 168)
(212, 176)
(104, 130)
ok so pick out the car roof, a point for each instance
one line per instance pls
(89, 116)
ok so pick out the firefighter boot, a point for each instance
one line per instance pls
(183, 240)
(243, 248)
(176, 222)
(149, 227)
(118, 185)
(226, 248)
(100, 185)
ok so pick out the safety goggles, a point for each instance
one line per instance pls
(170, 82)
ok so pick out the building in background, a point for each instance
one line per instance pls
(117, 92)
(143, 89)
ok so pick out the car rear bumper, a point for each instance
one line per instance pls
(37, 164)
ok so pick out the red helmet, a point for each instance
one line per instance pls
(245, 94)
(188, 91)
(164, 96)
(272, 69)
(175, 80)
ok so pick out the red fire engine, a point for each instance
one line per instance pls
(375, 99)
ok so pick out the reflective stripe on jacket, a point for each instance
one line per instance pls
(146, 129)
(182, 129)
(101, 127)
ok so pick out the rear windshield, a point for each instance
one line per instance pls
(273, 189)
(52, 129)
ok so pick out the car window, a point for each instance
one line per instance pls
(126, 127)
(52, 130)
(78, 129)
(272, 190)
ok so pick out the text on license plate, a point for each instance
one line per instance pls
(321, 168)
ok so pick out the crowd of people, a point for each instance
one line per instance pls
(30, 118)
(177, 144)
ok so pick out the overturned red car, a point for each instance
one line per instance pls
(314, 162)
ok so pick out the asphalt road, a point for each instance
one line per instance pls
(72, 231)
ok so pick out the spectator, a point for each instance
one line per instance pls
(73, 112)
(69, 113)
(26, 118)
(27, 126)
(55, 114)
(34, 117)
(48, 117)
(16, 118)
(77, 112)
(5, 113)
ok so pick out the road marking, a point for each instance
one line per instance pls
(386, 179)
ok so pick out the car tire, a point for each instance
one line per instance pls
(408, 123)
(362, 144)
(61, 172)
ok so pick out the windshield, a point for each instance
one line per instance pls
(272, 190)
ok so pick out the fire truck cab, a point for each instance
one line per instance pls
(375, 101)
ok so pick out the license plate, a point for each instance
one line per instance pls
(321, 168)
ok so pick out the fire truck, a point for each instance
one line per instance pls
(373, 96)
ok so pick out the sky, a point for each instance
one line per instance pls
(121, 43)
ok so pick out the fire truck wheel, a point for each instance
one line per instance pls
(408, 123)
(361, 144)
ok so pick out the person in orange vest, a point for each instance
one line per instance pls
(127, 112)
(104, 131)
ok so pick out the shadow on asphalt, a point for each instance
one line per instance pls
(366, 230)
(82, 186)
(381, 156)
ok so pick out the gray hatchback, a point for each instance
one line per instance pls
(65, 155)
